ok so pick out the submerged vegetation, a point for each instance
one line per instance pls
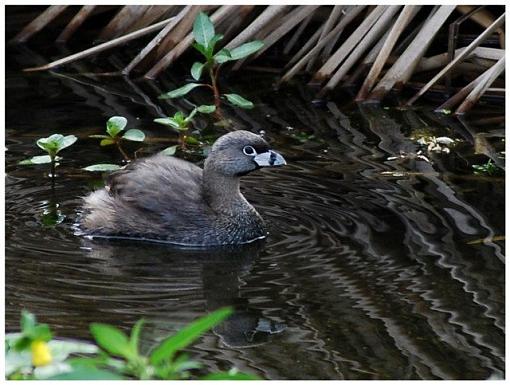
(34, 353)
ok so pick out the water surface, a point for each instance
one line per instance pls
(374, 268)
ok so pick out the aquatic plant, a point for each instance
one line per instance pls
(34, 354)
(205, 43)
(182, 123)
(52, 145)
(114, 126)
(488, 168)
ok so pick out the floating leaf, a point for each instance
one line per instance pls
(169, 151)
(111, 339)
(239, 101)
(196, 70)
(246, 49)
(180, 91)
(42, 159)
(206, 109)
(106, 142)
(115, 124)
(187, 335)
(134, 135)
(102, 167)
(203, 30)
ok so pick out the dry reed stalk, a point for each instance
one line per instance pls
(220, 14)
(437, 61)
(475, 43)
(401, 23)
(349, 44)
(41, 21)
(119, 24)
(266, 17)
(366, 42)
(75, 23)
(102, 47)
(483, 18)
(349, 16)
(403, 68)
(305, 48)
(295, 37)
(332, 20)
(152, 14)
(154, 42)
(477, 92)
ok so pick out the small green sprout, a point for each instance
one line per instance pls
(489, 168)
(205, 43)
(52, 145)
(180, 121)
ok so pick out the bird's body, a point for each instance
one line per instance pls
(168, 199)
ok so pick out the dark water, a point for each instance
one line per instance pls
(366, 275)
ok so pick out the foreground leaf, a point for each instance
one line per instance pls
(187, 335)
(180, 91)
(42, 159)
(246, 49)
(102, 167)
(115, 124)
(167, 122)
(87, 373)
(230, 376)
(134, 135)
(239, 101)
(111, 339)
(135, 335)
(206, 109)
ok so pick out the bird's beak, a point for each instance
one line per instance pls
(269, 159)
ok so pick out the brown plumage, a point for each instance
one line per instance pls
(167, 199)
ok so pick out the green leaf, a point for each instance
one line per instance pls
(196, 70)
(187, 335)
(239, 101)
(180, 91)
(102, 167)
(169, 151)
(68, 141)
(203, 30)
(115, 124)
(206, 109)
(28, 322)
(200, 48)
(61, 349)
(134, 135)
(222, 56)
(106, 142)
(135, 335)
(212, 43)
(246, 49)
(111, 339)
(56, 142)
(42, 159)
(230, 376)
(41, 332)
(167, 122)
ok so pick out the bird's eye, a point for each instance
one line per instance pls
(249, 150)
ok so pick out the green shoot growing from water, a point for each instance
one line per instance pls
(205, 42)
(114, 127)
(33, 354)
(52, 145)
(489, 168)
(182, 123)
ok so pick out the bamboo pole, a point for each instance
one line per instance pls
(75, 23)
(403, 20)
(375, 32)
(154, 42)
(352, 41)
(127, 16)
(41, 21)
(402, 69)
(475, 43)
(335, 14)
(267, 16)
(102, 47)
(220, 14)
(477, 92)
(300, 64)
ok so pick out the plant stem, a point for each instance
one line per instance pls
(126, 157)
(217, 101)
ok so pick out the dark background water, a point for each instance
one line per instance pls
(374, 269)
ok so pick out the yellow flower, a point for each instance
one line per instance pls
(41, 354)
